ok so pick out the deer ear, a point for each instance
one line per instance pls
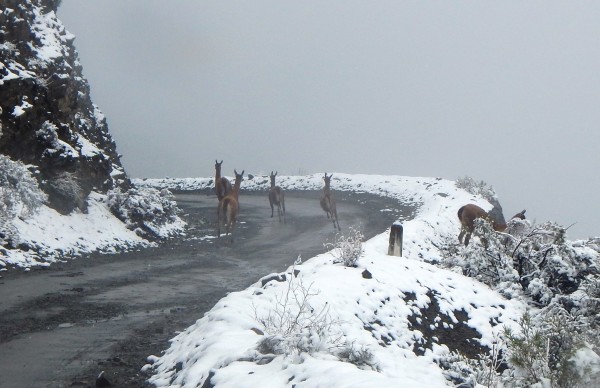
(275, 173)
(242, 174)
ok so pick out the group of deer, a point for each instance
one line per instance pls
(229, 207)
(327, 201)
(228, 195)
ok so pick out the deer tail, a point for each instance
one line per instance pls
(460, 212)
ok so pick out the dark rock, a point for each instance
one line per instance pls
(47, 118)
(207, 383)
(178, 366)
(438, 327)
(280, 277)
(102, 381)
(366, 274)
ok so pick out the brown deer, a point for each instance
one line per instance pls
(328, 202)
(469, 213)
(229, 207)
(276, 198)
(222, 184)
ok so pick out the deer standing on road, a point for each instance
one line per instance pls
(276, 198)
(229, 208)
(328, 202)
(222, 184)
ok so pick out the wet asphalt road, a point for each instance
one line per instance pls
(61, 326)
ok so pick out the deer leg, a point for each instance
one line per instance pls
(467, 238)
(219, 221)
(283, 207)
(231, 229)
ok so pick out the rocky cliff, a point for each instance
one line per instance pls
(47, 118)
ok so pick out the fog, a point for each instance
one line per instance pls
(505, 92)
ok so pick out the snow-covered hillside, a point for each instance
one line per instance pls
(388, 322)
(63, 189)
(48, 236)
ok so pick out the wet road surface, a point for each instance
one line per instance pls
(61, 326)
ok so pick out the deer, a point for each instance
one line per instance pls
(276, 198)
(229, 207)
(467, 215)
(222, 184)
(328, 202)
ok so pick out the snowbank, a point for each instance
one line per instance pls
(48, 236)
(368, 332)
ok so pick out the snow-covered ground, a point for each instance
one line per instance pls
(327, 325)
(47, 236)
(369, 315)
(387, 322)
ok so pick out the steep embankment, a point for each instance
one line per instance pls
(48, 118)
(57, 155)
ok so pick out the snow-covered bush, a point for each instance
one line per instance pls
(145, 210)
(54, 146)
(20, 194)
(293, 325)
(467, 372)
(545, 351)
(474, 187)
(537, 257)
(347, 248)
(560, 277)
(362, 357)
(528, 352)
(66, 186)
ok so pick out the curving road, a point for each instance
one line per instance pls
(62, 326)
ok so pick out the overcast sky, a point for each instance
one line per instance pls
(507, 91)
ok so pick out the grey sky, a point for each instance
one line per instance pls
(503, 91)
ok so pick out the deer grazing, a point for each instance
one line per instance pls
(469, 213)
(222, 184)
(229, 207)
(276, 198)
(328, 202)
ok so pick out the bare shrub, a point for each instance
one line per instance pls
(361, 356)
(474, 187)
(347, 248)
(294, 325)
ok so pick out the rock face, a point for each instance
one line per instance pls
(47, 118)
